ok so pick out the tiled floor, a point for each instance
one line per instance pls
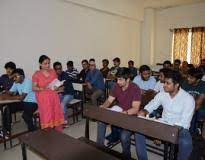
(76, 131)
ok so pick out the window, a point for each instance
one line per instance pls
(189, 44)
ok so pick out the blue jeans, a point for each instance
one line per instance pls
(124, 137)
(184, 145)
(65, 99)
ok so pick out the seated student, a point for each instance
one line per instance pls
(84, 71)
(176, 65)
(128, 97)
(20, 90)
(113, 71)
(133, 70)
(6, 80)
(167, 64)
(196, 87)
(145, 81)
(178, 108)
(159, 87)
(72, 72)
(66, 91)
(94, 82)
(105, 70)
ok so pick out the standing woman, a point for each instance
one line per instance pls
(51, 115)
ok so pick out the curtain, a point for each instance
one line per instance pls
(197, 45)
(180, 43)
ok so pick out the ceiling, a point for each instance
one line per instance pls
(163, 4)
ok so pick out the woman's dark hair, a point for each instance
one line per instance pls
(43, 58)
(123, 73)
(19, 71)
(10, 64)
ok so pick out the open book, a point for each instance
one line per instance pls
(55, 83)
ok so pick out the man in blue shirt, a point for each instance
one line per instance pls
(20, 90)
(94, 82)
(145, 81)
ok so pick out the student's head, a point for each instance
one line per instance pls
(18, 75)
(167, 64)
(85, 64)
(145, 72)
(10, 67)
(57, 66)
(162, 73)
(202, 62)
(194, 76)
(190, 66)
(70, 65)
(44, 62)
(177, 64)
(131, 64)
(185, 64)
(92, 64)
(116, 62)
(123, 76)
(172, 81)
(105, 62)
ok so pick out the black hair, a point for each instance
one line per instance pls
(117, 59)
(130, 61)
(84, 61)
(144, 68)
(43, 58)
(167, 62)
(177, 61)
(195, 72)
(19, 71)
(105, 60)
(123, 73)
(92, 59)
(11, 65)
(164, 70)
(175, 76)
(70, 63)
(56, 64)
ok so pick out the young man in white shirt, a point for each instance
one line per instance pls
(178, 109)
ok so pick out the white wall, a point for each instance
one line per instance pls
(185, 16)
(63, 31)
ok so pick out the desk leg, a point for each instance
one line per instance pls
(87, 126)
(23, 148)
(166, 153)
(2, 114)
(172, 154)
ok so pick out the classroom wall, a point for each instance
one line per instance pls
(65, 31)
(156, 38)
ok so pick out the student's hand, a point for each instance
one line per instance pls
(101, 106)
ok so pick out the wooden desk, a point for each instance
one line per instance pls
(149, 128)
(53, 145)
